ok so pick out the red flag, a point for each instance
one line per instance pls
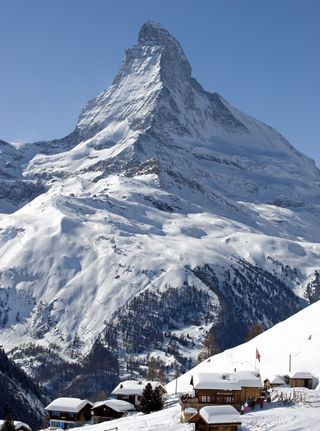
(258, 355)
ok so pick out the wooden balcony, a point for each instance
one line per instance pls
(192, 402)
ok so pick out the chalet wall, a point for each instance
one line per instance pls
(301, 383)
(249, 393)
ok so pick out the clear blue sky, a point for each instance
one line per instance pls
(263, 56)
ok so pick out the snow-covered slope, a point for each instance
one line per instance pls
(164, 202)
(298, 336)
(271, 418)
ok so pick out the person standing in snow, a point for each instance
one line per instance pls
(261, 402)
(246, 407)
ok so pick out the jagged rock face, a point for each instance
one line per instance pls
(163, 191)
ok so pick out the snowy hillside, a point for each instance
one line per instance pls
(298, 336)
(165, 202)
(272, 418)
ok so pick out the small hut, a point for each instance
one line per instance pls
(110, 409)
(301, 379)
(216, 418)
(274, 382)
(131, 390)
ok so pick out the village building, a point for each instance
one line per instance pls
(211, 389)
(18, 426)
(274, 382)
(301, 379)
(110, 409)
(215, 388)
(68, 413)
(216, 418)
(131, 390)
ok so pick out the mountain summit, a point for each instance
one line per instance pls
(166, 213)
(156, 118)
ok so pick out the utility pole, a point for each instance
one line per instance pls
(290, 363)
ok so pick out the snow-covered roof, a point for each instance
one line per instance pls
(17, 424)
(215, 381)
(220, 415)
(116, 405)
(70, 405)
(276, 380)
(133, 387)
(247, 379)
(300, 375)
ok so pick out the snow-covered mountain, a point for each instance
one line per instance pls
(165, 211)
(298, 336)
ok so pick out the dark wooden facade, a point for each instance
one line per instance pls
(133, 399)
(218, 396)
(300, 383)
(105, 413)
(66, 420)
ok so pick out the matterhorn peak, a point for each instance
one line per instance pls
(155, 63)
(153, 32)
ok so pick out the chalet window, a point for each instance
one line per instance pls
(207, 399)
(57, 424)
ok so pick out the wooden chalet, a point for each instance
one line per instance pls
(110, 409)
(131, 390)
(301, 379)
(68, 413)
(274, 382)
(214, 388)
(216, 418)
(211, 389)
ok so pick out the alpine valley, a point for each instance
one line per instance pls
(166, 214)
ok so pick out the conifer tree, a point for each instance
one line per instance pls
(157, 401)
(210, 347)
(146, 399)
